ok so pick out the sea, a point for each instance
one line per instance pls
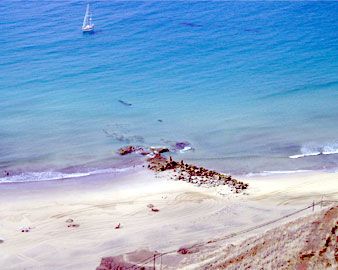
(252, 87)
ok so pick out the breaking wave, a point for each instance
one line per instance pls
(316, 150)
(267, 173)
(54, 175)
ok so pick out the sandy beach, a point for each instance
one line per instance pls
(95, 205)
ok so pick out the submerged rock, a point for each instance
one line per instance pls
(123, 138)
(125, 103)
(181, 147)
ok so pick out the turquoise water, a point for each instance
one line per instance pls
(248, 84)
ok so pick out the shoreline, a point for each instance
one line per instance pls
(79, 175)
(187, 214)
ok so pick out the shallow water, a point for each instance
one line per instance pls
(248, 84)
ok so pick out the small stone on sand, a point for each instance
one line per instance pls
(73, 225)
(25, 229)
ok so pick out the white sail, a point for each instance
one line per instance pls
(86, 18)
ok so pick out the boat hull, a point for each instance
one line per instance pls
(88, 28)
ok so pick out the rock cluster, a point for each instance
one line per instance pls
(181, 170)
(180, 147)
(140, 150)
(194, 174)
(132, 149)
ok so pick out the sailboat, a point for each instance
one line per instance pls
(87, 25)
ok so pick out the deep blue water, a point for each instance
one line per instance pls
(248, 84)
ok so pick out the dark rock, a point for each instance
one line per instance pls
(160, 149)
(124, 103)
(126, 150)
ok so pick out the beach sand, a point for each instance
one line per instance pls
(187, 214)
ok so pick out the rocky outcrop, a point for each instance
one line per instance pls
(194, 174)
(183, 171)
(127, 150)
(159, 149)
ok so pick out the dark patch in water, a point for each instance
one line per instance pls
(252, 30)
(123, 138)
(304, 88)
(190, 24)
(181, 145)
(125, 103)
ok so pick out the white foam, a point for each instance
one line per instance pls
(330, 149)
(53, 175)
(267, 173)
(185, 149)
(306, 155)
(316, 150)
